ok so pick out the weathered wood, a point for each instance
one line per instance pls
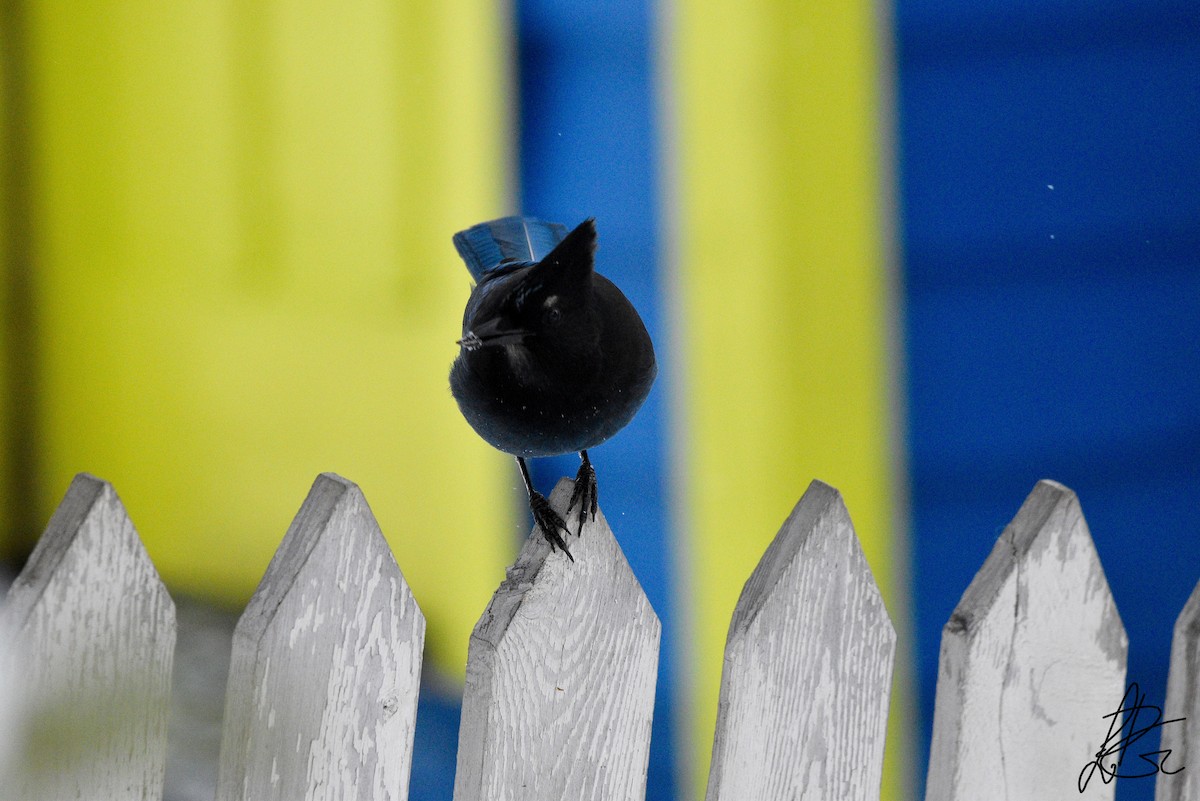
(1183, 701)
(808, 667)
(93, 631)
(10, 709)
(1031, 660)
(560, 677)
(323, 682)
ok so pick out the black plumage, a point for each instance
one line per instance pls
(553, 357)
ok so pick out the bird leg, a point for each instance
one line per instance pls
(586, 492)
(544, 515)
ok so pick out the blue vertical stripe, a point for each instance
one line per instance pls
(587, 139)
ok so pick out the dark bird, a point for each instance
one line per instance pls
(553, 357)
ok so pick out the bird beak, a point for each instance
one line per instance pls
(490, 332)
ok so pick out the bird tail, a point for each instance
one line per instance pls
(488, 245)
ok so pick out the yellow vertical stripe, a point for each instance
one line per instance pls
(782, 280)
(242, 229)
(7, 267)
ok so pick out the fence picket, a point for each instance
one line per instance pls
(560, 677)
(322, 691)
(1183, 701)
(93, 630)
(808, 667)
(11, 734)
(1031, 660)
(323, 682)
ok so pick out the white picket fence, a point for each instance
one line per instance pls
(322, 691)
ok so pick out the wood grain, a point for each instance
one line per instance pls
(326, 665)
(93, 630)
(808, 667)
(11, 699)
(1031, 660)
(560, 677)
(1183, 701)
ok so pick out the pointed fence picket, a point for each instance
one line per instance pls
(321, 697)
(560, 677)
(326, 665)
(1181, 739)
(808, 667)
(93, 633)
(1032, 658)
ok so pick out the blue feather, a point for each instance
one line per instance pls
(522, 240)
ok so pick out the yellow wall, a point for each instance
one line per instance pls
(242, 220)
(783, 290)
(8, 267)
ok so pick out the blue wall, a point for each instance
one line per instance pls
(1049, 155)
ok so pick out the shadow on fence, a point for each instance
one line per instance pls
(322, 691)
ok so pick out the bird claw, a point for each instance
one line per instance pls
(586, 493)
(549, 521)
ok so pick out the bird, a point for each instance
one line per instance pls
(553, 357)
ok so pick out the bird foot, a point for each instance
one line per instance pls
(549, 521)
(586, 493)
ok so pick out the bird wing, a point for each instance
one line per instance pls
(489, 245)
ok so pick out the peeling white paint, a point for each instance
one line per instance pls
(1033, 658)
(808, 667)
(94, 630)
(336, 624)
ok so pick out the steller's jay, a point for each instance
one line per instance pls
(553, 357)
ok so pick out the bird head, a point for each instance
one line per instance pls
(547, 300)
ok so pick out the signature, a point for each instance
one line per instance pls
(1121, 735)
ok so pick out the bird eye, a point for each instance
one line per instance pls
(552, 315)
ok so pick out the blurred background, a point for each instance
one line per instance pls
(927, 252)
